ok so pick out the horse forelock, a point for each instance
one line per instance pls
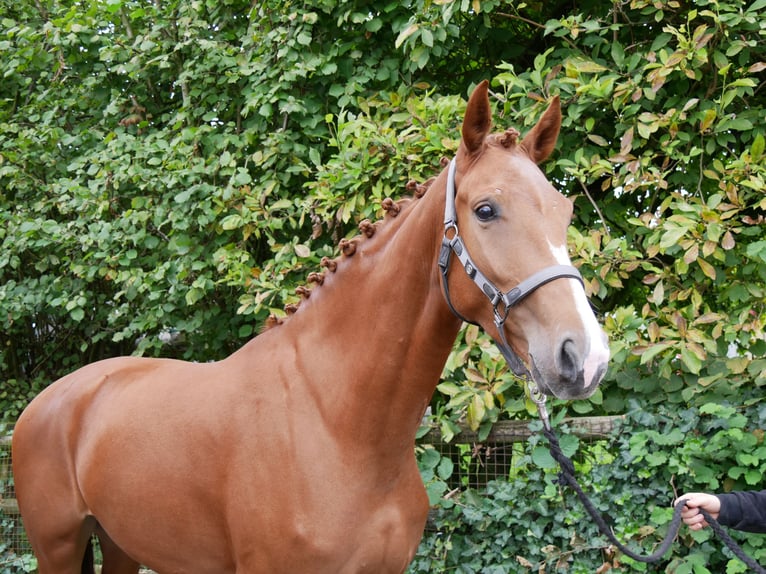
(392, 209)
(508, 139)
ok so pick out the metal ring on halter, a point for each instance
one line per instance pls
(500, 318)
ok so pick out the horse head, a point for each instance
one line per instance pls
(512, 227)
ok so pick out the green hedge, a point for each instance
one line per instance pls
(179, 168)
(529, 524)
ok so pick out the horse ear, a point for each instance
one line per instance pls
(541, 139)
(478, 118)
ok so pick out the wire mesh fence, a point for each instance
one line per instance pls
(477, 461)
(14, 546)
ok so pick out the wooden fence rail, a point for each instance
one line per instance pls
(507, 432)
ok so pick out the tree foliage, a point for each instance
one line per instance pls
(171, 171)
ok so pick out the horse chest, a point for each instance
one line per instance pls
(342, 534)
(336, 517)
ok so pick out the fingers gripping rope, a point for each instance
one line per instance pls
(566, 477)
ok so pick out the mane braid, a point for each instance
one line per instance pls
(348, 247)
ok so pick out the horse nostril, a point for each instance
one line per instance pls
(568, 361)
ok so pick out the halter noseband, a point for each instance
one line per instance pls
(501, 302)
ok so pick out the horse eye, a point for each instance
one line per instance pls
(485, 212)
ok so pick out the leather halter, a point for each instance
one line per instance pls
(501, 302)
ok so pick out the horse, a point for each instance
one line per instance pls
(296, 452)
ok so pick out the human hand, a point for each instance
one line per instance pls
(694, 502)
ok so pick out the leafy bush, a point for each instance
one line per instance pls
(529, 524)
(170, 172)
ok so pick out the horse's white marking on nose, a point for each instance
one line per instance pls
(598, 349)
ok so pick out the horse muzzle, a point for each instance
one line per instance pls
(571, 373)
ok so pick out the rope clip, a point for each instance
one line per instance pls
(539, 398)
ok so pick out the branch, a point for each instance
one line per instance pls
(536, 25)
(595, 206)
(517, 17)
(126, 23)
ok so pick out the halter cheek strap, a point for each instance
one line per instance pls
(501, 301)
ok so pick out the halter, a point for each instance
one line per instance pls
(501, 302)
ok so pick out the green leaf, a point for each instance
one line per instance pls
(429, 458)
(618, 54)
(183, 196)
(427, 37)
(672, 234)
(445, 468)
(448, 388)
(757, 148)
(737, 124)
(582, 66)
(435, 490)
(404, 34)
(690, 359)
(598, 140)
(542, 458)
(652, 351)
(655, 458)
(753, 477)
(231, 222)
(707, 268)
(569, 444)
(476, 412)
(757, 250)
(193, 295)
(708, 118)
(304, 38)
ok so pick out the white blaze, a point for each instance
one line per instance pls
(598, 350)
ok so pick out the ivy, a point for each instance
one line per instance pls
(529, 524)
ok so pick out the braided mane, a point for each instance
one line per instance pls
(348, 247)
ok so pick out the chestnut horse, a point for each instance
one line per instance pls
(295, 454)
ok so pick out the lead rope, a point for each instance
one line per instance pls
(566, 476)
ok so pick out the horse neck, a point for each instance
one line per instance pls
(375, 336)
